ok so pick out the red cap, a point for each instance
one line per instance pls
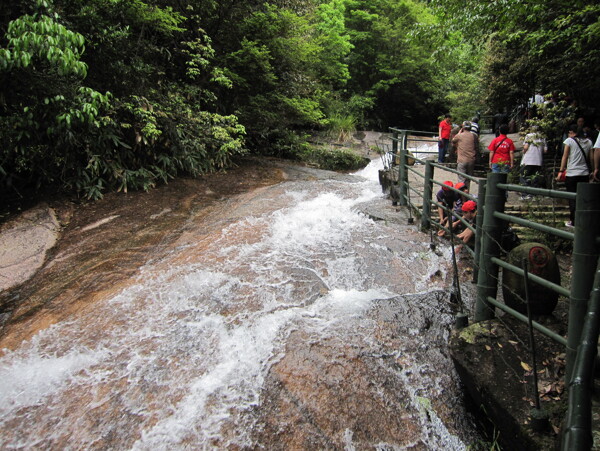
(460, 186)
(447, 183)
(469, 206)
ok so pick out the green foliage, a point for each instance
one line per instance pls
(41, 40)
(165, 88)
(275, 76)
(550, 122)
(334, 42)
(392, 64)
(331, 158)
(56, 132)
(45, 112)
(533, 46)
(341, 126)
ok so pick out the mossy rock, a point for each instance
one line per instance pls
(541, 262)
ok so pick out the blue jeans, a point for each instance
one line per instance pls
(442, 149)
(500, 167)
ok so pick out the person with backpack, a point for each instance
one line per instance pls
(467, 145)
(574, 166)
(502, 151)
(534, 148)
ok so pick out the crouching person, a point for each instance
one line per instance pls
(469, 212)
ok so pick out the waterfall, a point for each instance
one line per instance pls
(197, 349)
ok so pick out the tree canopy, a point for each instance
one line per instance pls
(101, 95)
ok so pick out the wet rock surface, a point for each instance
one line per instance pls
(24, 242)
(334, 393)
(101, 244)
(203, 316)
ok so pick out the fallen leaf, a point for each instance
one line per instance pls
(488, 347)
(499, 345)
(525, 366)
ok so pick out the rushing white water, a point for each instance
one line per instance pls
(179, 359)
(423, 150)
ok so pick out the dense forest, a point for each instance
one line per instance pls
(100, 95)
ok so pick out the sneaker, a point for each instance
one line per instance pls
(569, 224)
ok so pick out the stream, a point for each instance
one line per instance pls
(283, 317)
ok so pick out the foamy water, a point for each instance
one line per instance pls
(180, 358)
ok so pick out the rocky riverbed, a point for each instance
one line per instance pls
(273, 306)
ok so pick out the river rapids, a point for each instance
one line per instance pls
(285, 318)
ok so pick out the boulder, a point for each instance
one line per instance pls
(24, 242)
(541, 262)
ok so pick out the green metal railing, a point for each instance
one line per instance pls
(400, 149)
(584, 306)
(578, 430)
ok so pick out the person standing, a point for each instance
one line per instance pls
(576, 165)
(466, 144)
(444, 130)
(502, 151)
(596, 160)
(534, 147)
(475, 125)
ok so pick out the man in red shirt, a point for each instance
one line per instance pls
(502, 151)
(444, 130)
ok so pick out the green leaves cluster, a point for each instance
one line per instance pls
(528, 46)
(34, 39)
(101, 95)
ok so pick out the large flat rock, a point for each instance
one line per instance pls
(24, 242)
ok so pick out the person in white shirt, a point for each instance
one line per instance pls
(575, 163)
(597, 160)
(534, 148)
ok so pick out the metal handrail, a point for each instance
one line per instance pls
(454, 171)
(537, 279)
(534, 225)
(499, 217)
(538, 191)
(578, 430)
(559, 339)
(412, 132)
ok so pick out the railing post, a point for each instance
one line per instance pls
(394, 145)
(402, 176)
(585, 256)
(578, 431)
(404, 139)
(478, 227)
(427, 194)
(487, 280)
